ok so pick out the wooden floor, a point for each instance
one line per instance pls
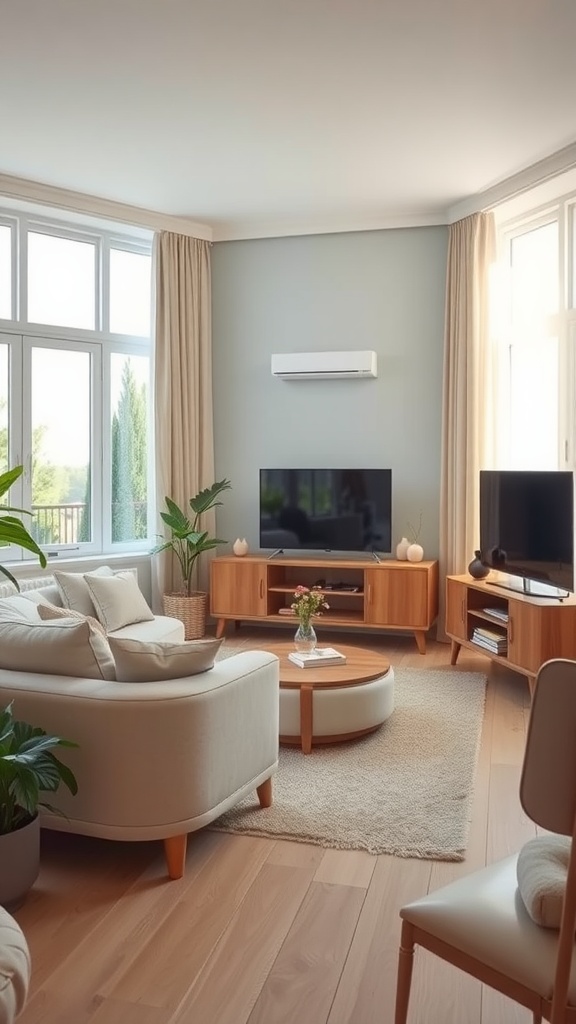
(263, 931)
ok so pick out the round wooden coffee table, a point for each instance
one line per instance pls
(333, 703)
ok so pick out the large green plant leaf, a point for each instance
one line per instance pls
(28, 767)
(207, 498)
(12, 530)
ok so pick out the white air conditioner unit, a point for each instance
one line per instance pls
(322, 365)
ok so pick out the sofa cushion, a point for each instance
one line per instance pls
(118, 599)
(74, 589)
(48, 611)
(18, 609)
(139, 661)
(161, 627)
(66, 647)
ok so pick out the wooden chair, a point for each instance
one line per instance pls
(480, 923)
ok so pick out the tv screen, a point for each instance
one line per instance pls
(527, 525)
(326, 509)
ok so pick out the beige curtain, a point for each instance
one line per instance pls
(184, 439)
(467, 411)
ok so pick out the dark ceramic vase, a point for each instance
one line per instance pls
(476, 568)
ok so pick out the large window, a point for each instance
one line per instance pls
(536, 381)
(75, 384)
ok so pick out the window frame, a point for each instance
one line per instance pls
(102, 345)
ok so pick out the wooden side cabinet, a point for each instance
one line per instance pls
(401, 596)
(526, 631)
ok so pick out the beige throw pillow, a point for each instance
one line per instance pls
(53, 611)
(17, 609)
(64, 647)
(117, 599)
(139, 661)
(74, 589)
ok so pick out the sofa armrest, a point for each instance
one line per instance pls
(156, 759)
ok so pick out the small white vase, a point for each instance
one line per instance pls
(415, 553)
(240, 547)
(402, 549)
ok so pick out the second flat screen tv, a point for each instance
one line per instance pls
(527, 527)
(326, 509)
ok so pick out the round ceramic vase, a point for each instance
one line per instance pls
(240, 547)
(415, 553)
(477, 569)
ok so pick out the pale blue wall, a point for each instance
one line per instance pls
(381, 290)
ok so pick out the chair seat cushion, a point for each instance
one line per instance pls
(542, 870)
(484, 916)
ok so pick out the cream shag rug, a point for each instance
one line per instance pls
(405, 789)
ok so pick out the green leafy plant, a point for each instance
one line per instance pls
(12, 530)
(28, 768)
(187, 540)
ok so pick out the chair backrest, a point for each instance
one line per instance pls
(548, 794)
(548, 783)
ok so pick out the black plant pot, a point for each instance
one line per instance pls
(477, 569)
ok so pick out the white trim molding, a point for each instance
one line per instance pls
(95, 206)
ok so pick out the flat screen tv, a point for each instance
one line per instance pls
(527, 529)
(326, 509)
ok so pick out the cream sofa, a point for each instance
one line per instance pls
(155, 760)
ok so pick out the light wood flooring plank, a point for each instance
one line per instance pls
(301, 985)
(235, 974)
(346, 867)
(366, 990)
(168, 965)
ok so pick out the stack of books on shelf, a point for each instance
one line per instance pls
(490, 640)
(318, 657)
(497, 613)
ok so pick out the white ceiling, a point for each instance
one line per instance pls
(263, 117)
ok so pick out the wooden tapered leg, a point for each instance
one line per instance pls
(455, 648)
(264, 792)
(405, 965)
(175, 854)
(220, 628)
(420, 638)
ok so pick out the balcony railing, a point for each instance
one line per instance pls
(70, 523)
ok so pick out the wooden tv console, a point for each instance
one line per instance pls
(400, 596)
(534, 629)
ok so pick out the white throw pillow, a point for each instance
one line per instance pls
(64, 647)
(542, 870)
(74, 589)
(53, 611)
(117, 599)
(140, 661)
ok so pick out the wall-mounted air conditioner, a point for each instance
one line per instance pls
(321, 365)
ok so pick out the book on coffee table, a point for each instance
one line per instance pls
(318, 657)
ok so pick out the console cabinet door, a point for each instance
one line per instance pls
(237, 588)
(397, 597)
(456, 598)
(525, 640)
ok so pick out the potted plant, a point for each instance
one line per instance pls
(188, 541)
(28, 768)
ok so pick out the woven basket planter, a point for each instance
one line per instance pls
(191, 610)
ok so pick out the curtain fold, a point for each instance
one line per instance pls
(183, 420)
(467, 407)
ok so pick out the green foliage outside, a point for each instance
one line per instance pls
(66, 485)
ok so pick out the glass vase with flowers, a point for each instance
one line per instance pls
(307, 603)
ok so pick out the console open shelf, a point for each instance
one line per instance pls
(400, 596)
(531, 630)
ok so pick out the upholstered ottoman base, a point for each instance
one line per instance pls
(339, 713)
